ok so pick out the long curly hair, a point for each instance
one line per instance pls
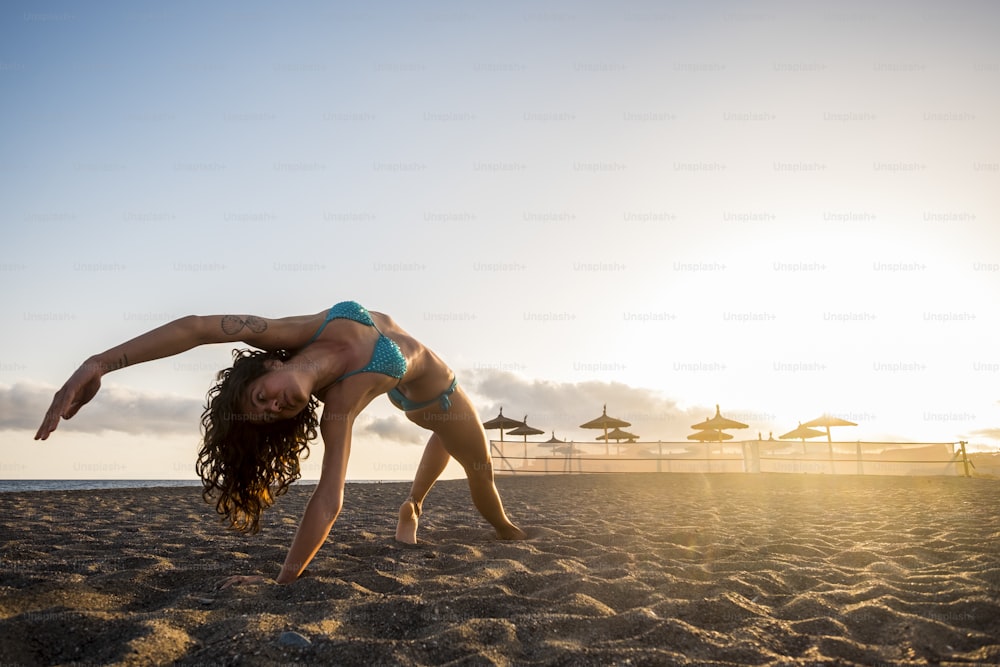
(247, 461)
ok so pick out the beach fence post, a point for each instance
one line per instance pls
(965, 458)
(751, 455)
(861, 467)
(659, 459)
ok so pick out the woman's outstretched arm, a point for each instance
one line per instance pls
(327, 500)
(172, 338)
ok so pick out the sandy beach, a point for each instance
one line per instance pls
(653, 569)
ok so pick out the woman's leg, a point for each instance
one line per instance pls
(459, 432)
(432, 464)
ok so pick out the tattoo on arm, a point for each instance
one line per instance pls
(121, 362)
(233, 324)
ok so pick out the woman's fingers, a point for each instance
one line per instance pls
(73, 395)
(56, 411)
(51, 419)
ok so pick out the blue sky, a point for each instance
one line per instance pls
(779, 208)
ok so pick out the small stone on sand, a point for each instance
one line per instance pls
(292, 638)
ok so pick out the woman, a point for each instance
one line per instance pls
(261, 413)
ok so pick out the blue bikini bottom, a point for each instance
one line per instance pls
(406, 405)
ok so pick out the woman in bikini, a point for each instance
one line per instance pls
(261, 414)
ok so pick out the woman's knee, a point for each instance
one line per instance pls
(480, 469)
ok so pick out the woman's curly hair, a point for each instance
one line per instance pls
(247, 460)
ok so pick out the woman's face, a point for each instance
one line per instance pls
(278, 394)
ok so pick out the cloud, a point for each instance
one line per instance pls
(394, 429)
(561, 407)
(558, 407)
(986, 433)
(23, 405)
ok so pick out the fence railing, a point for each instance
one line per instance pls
(749, 456)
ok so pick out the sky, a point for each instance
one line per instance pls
(785, 209)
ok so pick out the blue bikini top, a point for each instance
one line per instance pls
(387, 358)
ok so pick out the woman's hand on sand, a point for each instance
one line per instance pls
(242, 580)
(77, 392)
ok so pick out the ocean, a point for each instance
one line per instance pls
(8, 485)
(12, 485)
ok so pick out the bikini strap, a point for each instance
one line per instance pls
(321, 327)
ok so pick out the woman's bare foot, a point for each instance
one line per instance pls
(511, 533)
(406, 529)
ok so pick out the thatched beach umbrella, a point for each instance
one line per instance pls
(826, 421)
(714, 427)
(605, 422)
(552, 443)
(566, 450)
(718, 423)
(618, 435)
(559, 447)
(801, 433)
(710, 435)
(525, 430)
(502, 423)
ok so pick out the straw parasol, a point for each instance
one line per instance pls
(559, 447)
(525, 430)
(501, 423)
(827, 421)
(553, 442)
(801, 433)
(710, 435)
(605, 422)
(618, 435)
(713, 427)
(568, 456)
(719, 423)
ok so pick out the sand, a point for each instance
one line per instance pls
(623, 569)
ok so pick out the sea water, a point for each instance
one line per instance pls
(11, 485)
(7, 485)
